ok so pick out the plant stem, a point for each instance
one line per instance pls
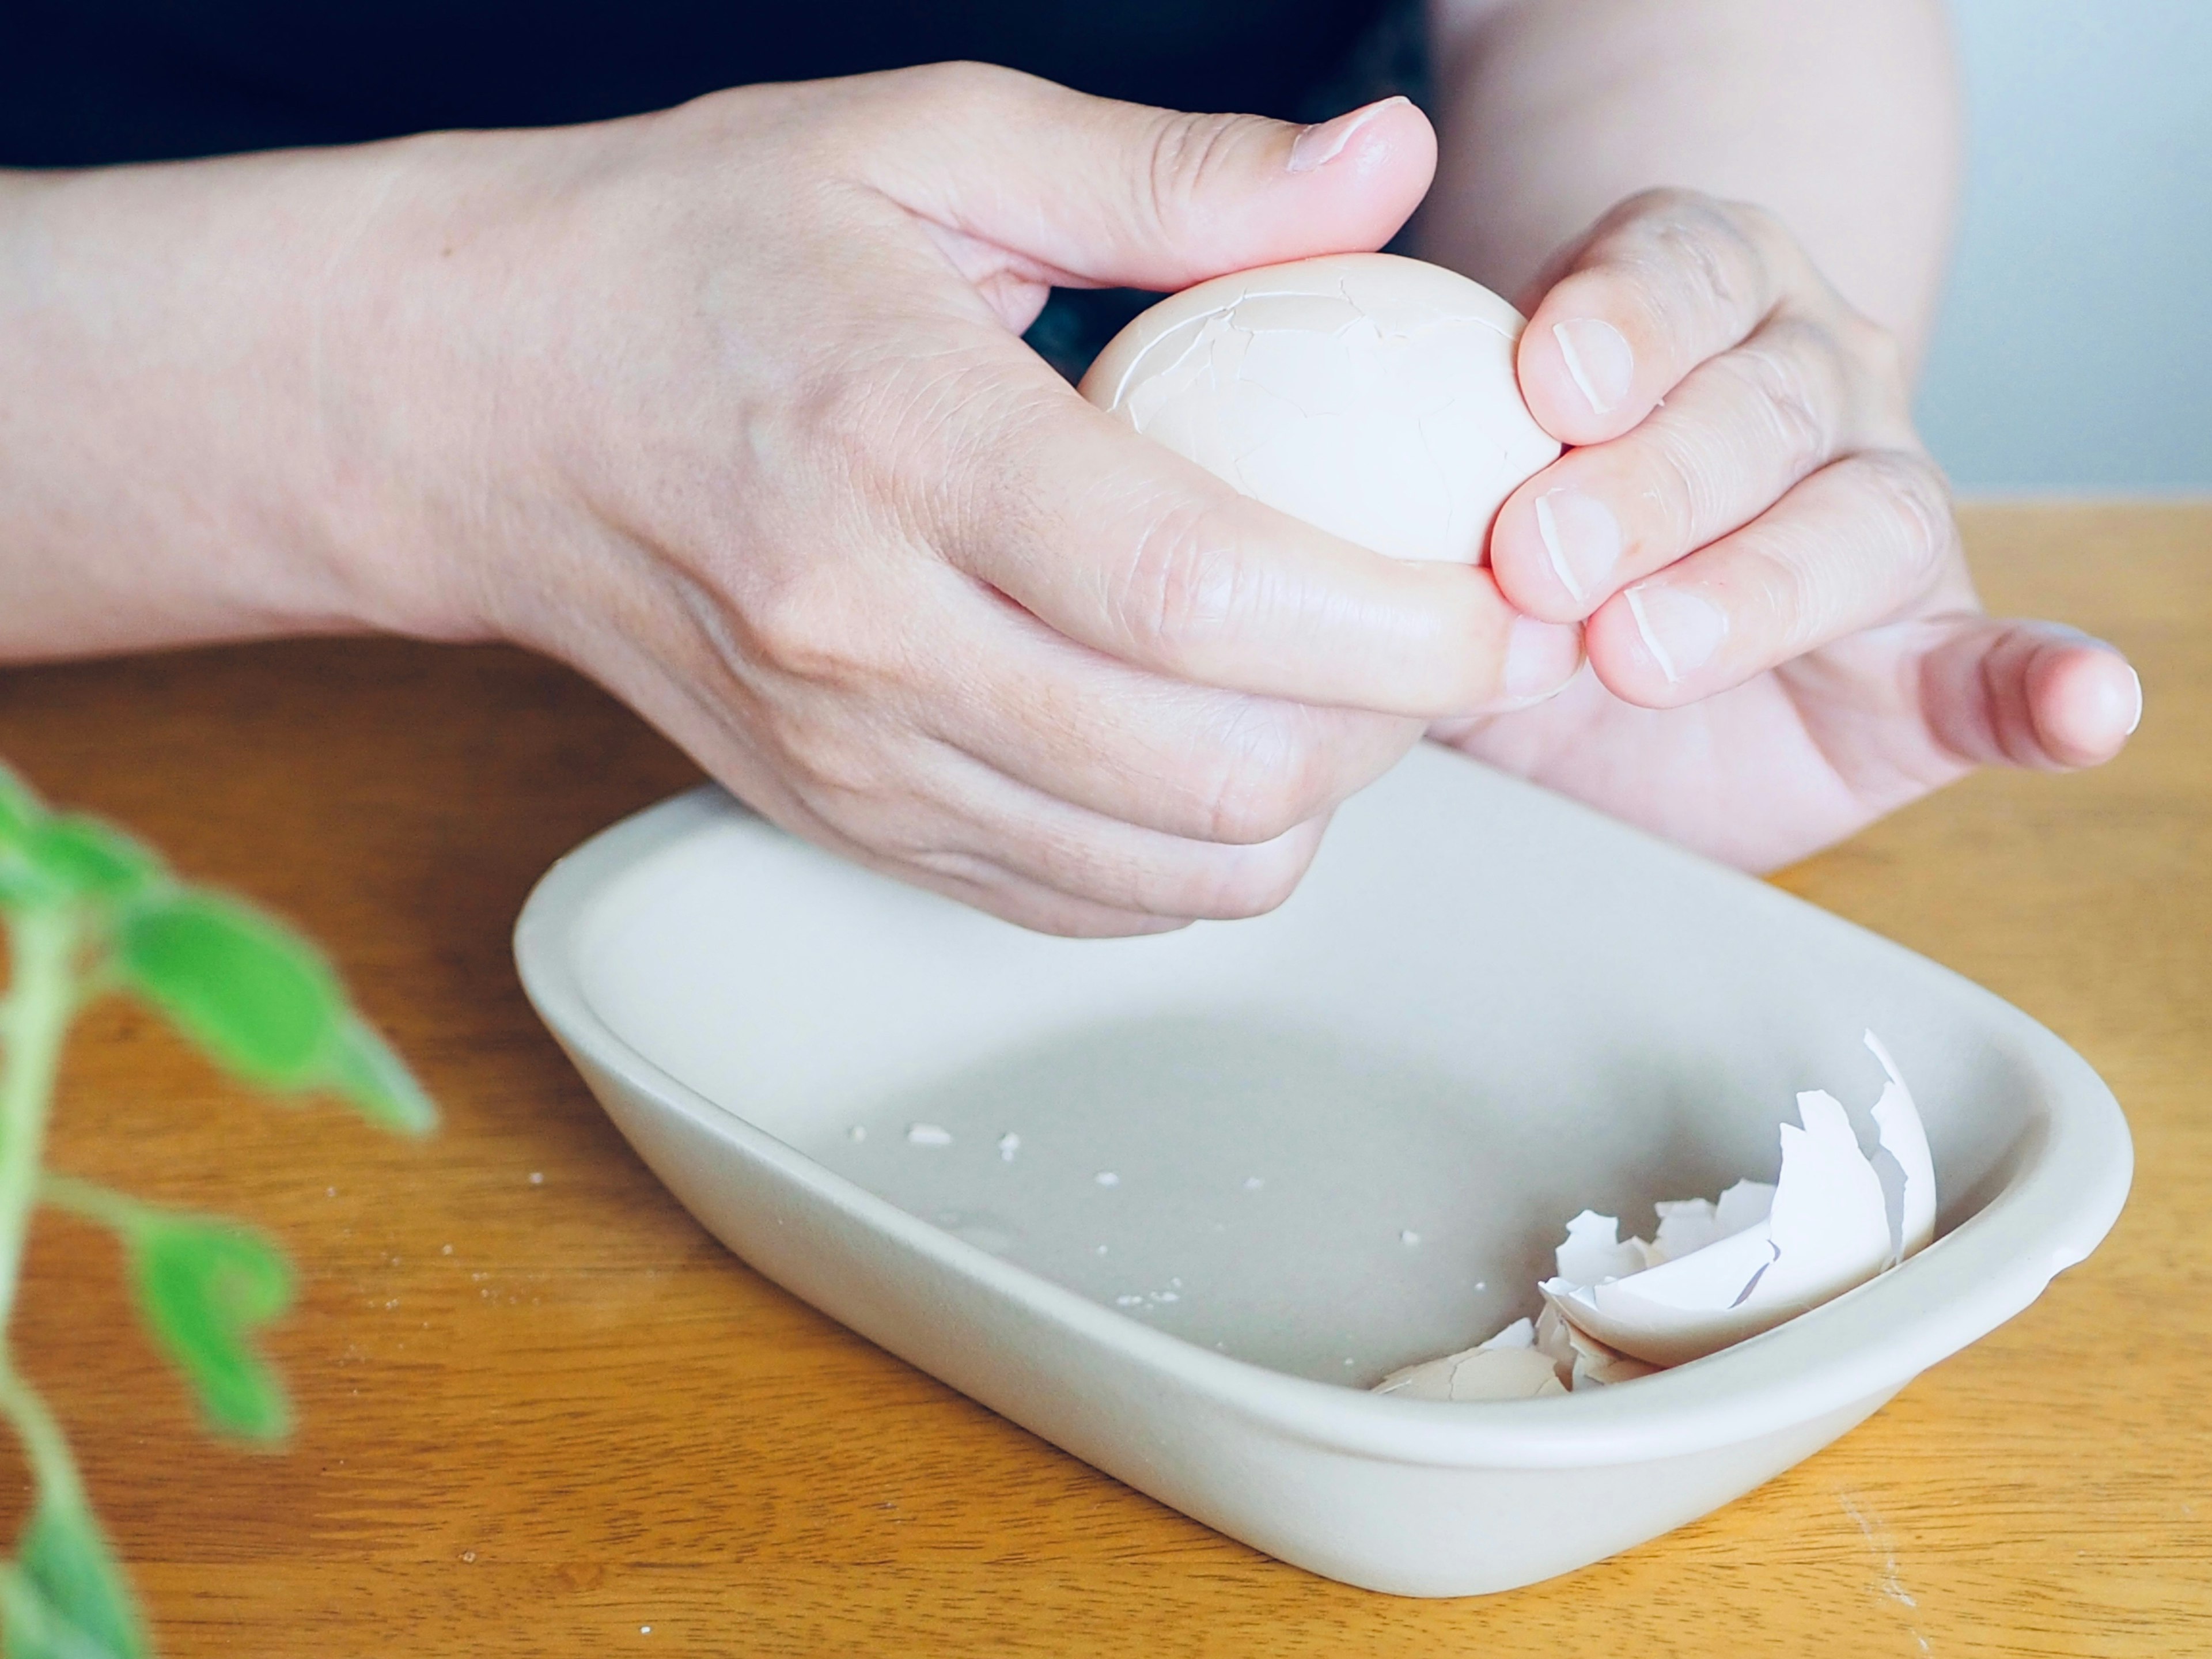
(52, 1468)
(43, 943)
(89, 1200)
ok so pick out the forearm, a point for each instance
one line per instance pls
(1838, 116)
(174, 466)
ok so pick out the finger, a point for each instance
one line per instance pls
(1665, 281)
(1123, 194)
(1127, 548)
(946, 812)
(884, 784)
(694, 702)
(1737, 435)
(2029, 694)
(914, 848)
(1102, 860)
(1187, 761)
(1852, 546)
(983, 886)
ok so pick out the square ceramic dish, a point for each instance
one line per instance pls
(1175, 1203)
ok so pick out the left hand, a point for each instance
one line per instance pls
(1784, 640)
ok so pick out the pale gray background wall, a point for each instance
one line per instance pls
(2074, 352)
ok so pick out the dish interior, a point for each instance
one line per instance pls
(1331, 1140)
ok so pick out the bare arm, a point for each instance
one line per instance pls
(1841, 117)
(728, 406)
(161, 463)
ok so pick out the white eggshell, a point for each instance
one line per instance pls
(1593, 1251)
(1827, 1229)
(1370, 395)
(1906, 1138)
(1483, 1373)
(1579, 1359)
(1719, 1271)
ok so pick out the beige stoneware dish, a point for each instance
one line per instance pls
(1175, 1203)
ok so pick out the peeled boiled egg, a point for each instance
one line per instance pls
(1372, 396)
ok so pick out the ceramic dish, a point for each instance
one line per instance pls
(1175, 1203)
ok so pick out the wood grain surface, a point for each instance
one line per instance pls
(542, 1414)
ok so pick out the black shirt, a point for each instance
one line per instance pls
(85, 82)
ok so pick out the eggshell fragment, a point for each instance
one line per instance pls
(1506, 1367)
(1580, 1360)
(1719, 1271)
(1906, 1140)
(1827, 1229)
(1370, 395)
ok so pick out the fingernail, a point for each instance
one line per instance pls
(1541, 658)
(1599, 357)
(1682, 630)
(1317, 146)
(2132, 699)
(1582, 536)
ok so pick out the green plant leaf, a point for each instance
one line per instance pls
(364, 1070)
(262, 1003)
(253, 994)
(204, 1286)
(87, 859)
(20, 810)
(66, 1598)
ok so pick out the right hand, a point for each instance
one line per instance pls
(728, 407)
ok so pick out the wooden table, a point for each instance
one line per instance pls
(544, 1413)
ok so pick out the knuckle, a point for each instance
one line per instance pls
(1180, 587)
(804, 626)
(1879, 350)
(1794, 372)
(1699, 266)
(1246, 805)
(959, 80)
(1260, 781)
(1252, 881)
(1918, 501)
(1659, 205)
(1182, 153)
(1683, 479)
(844, 784)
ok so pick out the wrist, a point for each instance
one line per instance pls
(188, 403)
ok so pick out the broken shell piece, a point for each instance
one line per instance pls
(1373, 396)
(1905, 1139)
(1828, 1228)
(1495, 1370)
(1580, 1360)
(1592, 1251)
(1719, 1270)
(1690, 1223)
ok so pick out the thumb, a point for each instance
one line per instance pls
(1123, 195)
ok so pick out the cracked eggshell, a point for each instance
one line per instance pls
(1828, 1228)
(1507, 1372)
(1579, 1359)
(1372, 396)
(1905, 1138)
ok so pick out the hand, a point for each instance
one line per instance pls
(728, 407)
(1784, 643)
